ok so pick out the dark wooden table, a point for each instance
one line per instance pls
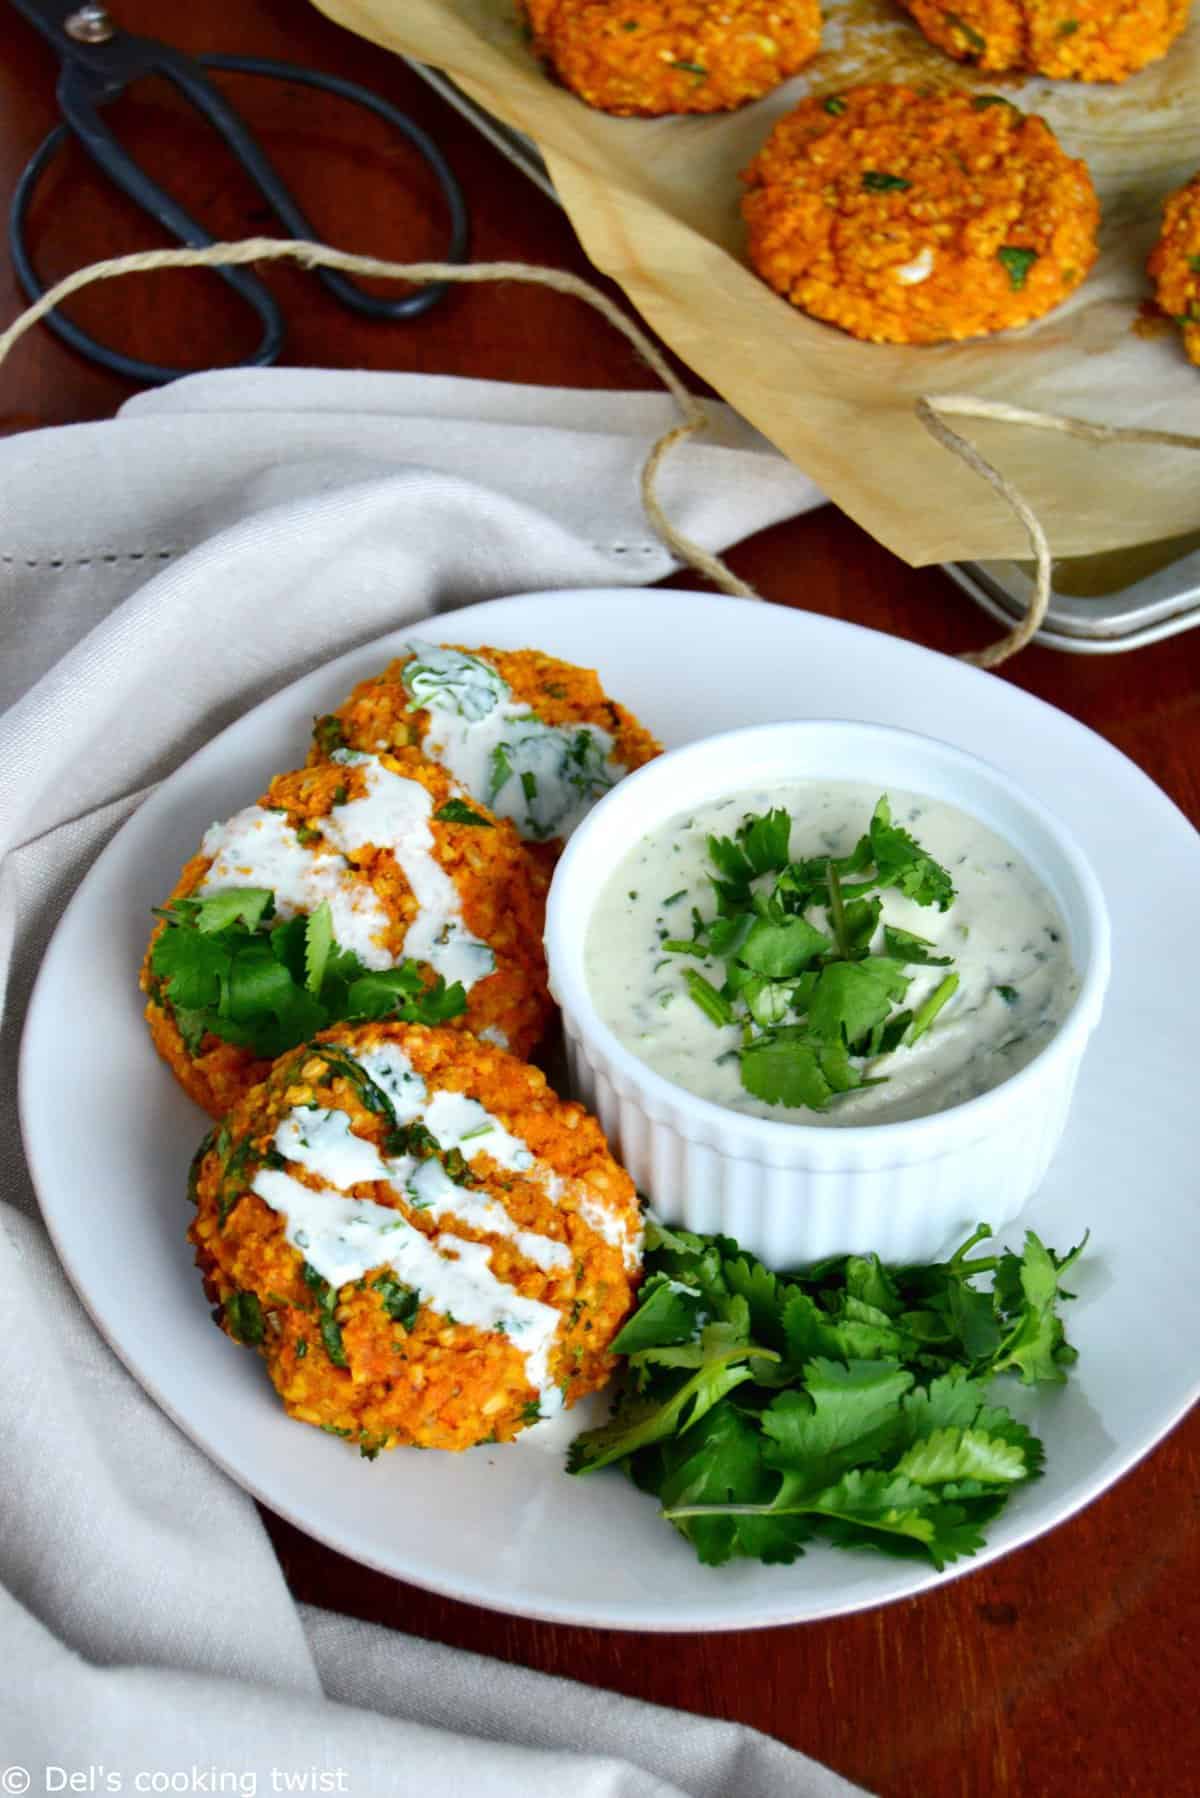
(1069, 1667)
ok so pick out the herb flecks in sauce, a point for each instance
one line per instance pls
(543, 777)
(860, 983)
(431, 1138)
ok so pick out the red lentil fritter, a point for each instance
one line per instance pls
(666, 56)
(1174, 264)
(537, 739)
(422, 1242)
(409, 873)
(1069, 40)
(905, 217)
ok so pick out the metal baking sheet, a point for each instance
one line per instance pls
(514, 144)
(1100, 605)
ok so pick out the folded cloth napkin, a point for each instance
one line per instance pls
(160, 574)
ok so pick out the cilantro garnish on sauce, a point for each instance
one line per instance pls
(229, 968)
(803, 977)
(849, 1402)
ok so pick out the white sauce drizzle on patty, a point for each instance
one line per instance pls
(544, 777)
(343, 1237)
(395, 814)
(459, 1122)
(260, 848)
(323, 1142)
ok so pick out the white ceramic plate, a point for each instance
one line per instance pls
(507, 1528)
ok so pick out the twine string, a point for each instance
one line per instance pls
(965, 405)
(693, 417)
(931, 411)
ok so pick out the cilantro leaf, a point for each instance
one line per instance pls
(849, 1401)
(781, 948)
(886, 1512)
(398, 992)
(860, 920)
(243, 1314)
(1016, 263)
(847, 1414)
(962, 1454)
(764, 840)
(647, 1421)
(193, 966)
(318, 941)
(851, 997)
(217, 911)
(1036, 1346)
(265, 1005)
(902, 945)
(786, 1070)
(746, 1278)
(668, 1312)
(457, 811)
(815, 1005)
(719, 1462)
(401, 1303)
(731, 862)
(868, 1279)
(902, 862)
(329, 733)
(227, 968)
(328, 1326)
(952, 1401)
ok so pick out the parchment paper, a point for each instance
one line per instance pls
(655, 204)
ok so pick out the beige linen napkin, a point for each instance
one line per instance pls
(159, 574)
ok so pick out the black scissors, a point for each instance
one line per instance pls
(99, 63)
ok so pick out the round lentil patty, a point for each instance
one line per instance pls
(1068, 40)
(544, 1218)
(671, 56)
(907, 217)
(1174, 264)
(499, 890)
(381, 715)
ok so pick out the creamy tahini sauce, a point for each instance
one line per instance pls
(344, 1237)
(1003, 931)
(543, 777)
(259, 848)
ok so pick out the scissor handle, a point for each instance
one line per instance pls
(78, 91)
(151, 374)
(265, 177)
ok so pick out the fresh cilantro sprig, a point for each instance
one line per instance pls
(229, 968)
(850, 1402)
(815, 1003)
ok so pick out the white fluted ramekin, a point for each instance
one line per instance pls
(792, 1192)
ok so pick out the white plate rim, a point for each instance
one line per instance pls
(720, 1603)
